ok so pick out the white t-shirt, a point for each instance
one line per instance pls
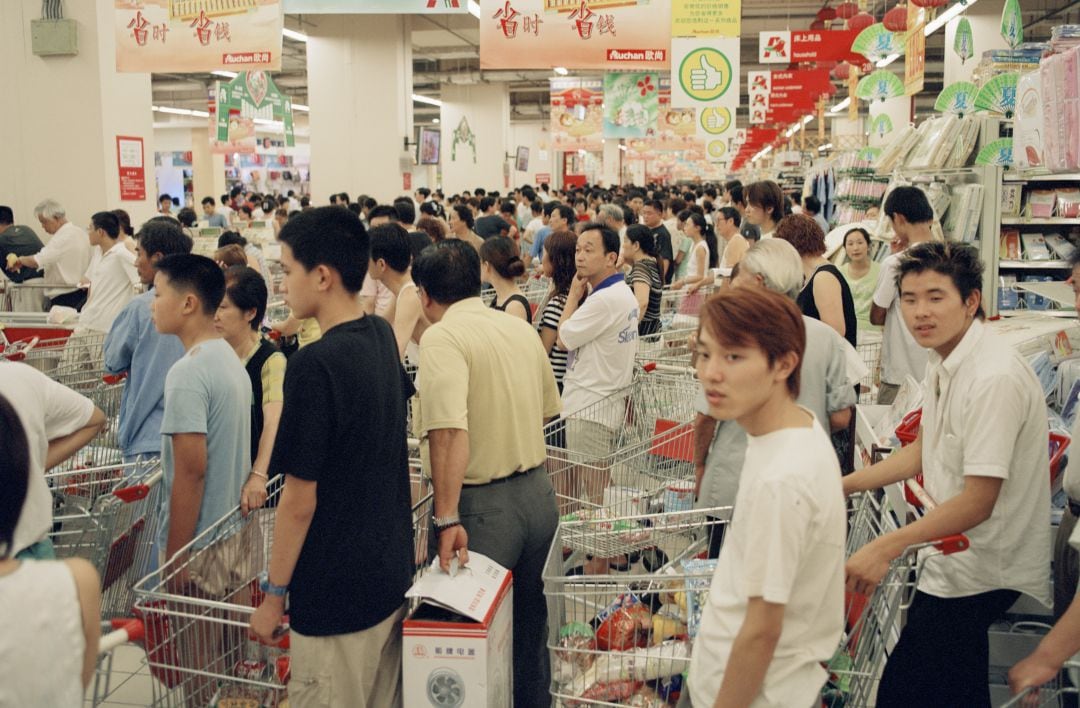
(65, 259)
(1011, 549)
(532, 227)
(901, 355)
(112, 286)
(384, 296)
(47, 411)
(785, 545)
(601, 338)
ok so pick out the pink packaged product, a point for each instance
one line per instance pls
(1041, 203)
(1072, 108)
(1052, 75)
(1068, 203)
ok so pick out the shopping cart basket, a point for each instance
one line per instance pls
(615, 638)
(869, 349)
(671, 351)
(106, 391)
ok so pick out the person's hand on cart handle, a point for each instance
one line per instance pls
(266, 619)
(453, 541)
(1031, 673)
(867, 566)
(253, 495)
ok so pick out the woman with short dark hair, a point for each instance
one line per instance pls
(825, 294)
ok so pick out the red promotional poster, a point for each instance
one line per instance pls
(132, 167)
(799, 46)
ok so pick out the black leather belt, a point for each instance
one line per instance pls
(507, 478)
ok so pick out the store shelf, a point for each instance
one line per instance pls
(1035, 265)
(1064, 314)
(1055, 177)
(1033, 221)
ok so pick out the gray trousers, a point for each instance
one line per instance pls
(513, 523)
(1066, 565)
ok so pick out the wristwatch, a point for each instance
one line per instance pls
(269, 588)
(445, 522)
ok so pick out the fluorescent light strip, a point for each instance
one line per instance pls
(300, 107)
(425, 99)
(293, 34)
(180, 111)
(225, 74)
(562, 70)
(841, 106)
(944, 17)
(887, 60)
(474, 9)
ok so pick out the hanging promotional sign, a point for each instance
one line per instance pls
(389, 7)
(914, 50)
(705, 72)
(185, 36)
(631, 104)
(577, 114)
(609, 35)
(776, 94)
(239, 103)
(796, 46)
(711, 18)
(130, 159)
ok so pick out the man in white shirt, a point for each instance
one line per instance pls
(901, 355)
(58, 423)
(64, 258)
(600, 335)
(775, 609)
(982, 450)
(113, 277)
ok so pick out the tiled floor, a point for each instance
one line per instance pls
(130, 683)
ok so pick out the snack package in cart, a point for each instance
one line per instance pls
(698, 582)
(622, 669)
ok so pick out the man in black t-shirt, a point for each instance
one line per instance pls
(343, 541)
(20, 240)
(652, 215)
(490, 224)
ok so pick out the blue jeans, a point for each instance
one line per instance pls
(42, 550)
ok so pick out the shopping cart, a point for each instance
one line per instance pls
(1049, 694)
(627, 637)
(197, 642)
(872, 624)
(869, 349)
(680, 305)
(115, 635)
(106, 392)
(108, 516)
(671, 351)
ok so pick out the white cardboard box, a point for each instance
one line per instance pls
(450, 660)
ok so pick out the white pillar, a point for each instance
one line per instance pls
(985, 19)
(359, 71)
(62, 115)
(609, 173)
(207, 169)
(486, 110)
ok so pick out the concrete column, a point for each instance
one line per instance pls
(62, 115)
(485, 108)
(609, 173)
(360, 95)
(207, 169)
(985, 19)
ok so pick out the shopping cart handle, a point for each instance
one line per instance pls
(114, 378)
(125, 629)
(650, 367)
(952, 544)
(133, 493)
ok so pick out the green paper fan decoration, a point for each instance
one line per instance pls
(958, 97)
(998, 95)
(875, 42)
(1012, 23)
(869, 154)
(964, 42)
(998, 152)
(878, 86)
(882, 125)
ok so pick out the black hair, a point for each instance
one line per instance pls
(549, 208)
(566, 212)
(162, 235)
(355, 208)
(479, 192)
(186, 217)
(507, 207)
(465, 214)
(737, 195)
(710, 192)
(767, 195)
(428, 209)
(305, 202)
(529, 193)
(125, 221)
(486, 203)
(418, 241)
(247, 290)
(608, 235)
(228, 238)
(163, 197)
(406, 211)
(812, 204)
(224, 199)
(642, 236)
(245, 209)
(424, 192)
(502, 254)
(107, 222)
(560, 248)
(858, 230)
(369, 203)
(449, 271)
(344, 197)
(655, 204)
(733, 214)
(330, 237)
(911, 203)
(382, 210)
(7, 216)
(707, 233)
(191, 273)
(14, 474)
(390, 242)
(536, 206)
(960, 262)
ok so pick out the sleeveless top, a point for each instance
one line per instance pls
(42, 645)
(254, 371)
(514, 298)
(809, 308)
(698, 252)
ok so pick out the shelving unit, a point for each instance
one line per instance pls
(1034, 221)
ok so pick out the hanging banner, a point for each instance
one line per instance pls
(705, 72)
(251, 96)
(185, 36)
(610, 35)
(577, 114)
(389, 7)
(914, 50)
(712, 18)
(130, 160)
(798, 46)
(777, 94)
(631, 104)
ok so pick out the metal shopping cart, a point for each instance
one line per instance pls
(617, 638)
(1049, 694)
(197, 640)
(669, 352)
(869, 349)
(115, 634)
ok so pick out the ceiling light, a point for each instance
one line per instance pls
(180, 111)
(435, 120)
(562, 70)
(425, 99)
(474, 9)
(946, 16)
(841, 106)
(293, 34)
(887, 60)
(225, 74)
(826, 146)
(300, 107)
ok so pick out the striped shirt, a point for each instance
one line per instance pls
(552, 314)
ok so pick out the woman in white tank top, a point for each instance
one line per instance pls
(49, 610)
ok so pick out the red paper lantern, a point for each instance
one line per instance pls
(930, 3)
(817, 25)
(826, 14)
(895, 20)
(860, 21)
(847, 10)
(842, 71)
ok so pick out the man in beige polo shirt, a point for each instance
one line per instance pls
(486, 442)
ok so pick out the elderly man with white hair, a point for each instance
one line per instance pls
(827, 389)
(64, 258)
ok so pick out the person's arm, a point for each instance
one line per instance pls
(884, 293)
(516, 309)
(1057, 647)
(641, 293)
(704, 430)
(287, 327)
(448, 450)
(253, 495)
(829, 300)
(406, 315)
(573, 301)
(88, 590)
(972, 506)
(751, 654)
(903, 464)
(291, 523)
(189, 480)
(877, 315)
(839, 420)
(548, 337)
(64, 447)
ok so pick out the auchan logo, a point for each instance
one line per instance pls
(657, 55)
